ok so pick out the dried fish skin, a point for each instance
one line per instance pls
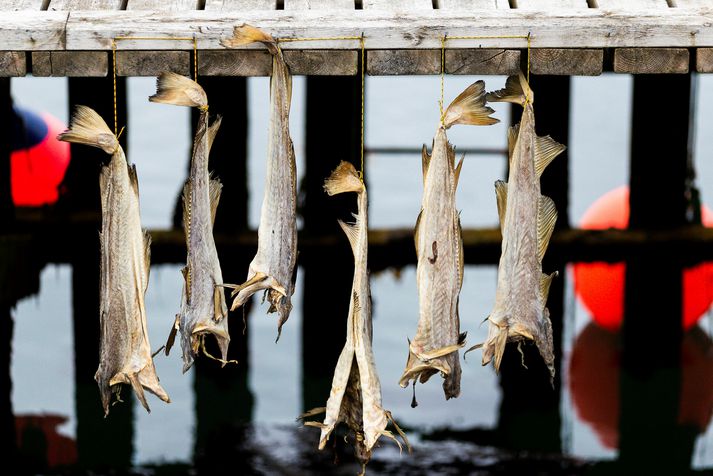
(527, 219)
(439, 248)
(273, 267)
(203, 307)
(125, 351)
(355, 397)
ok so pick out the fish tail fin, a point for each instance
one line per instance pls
(469, 108)
(516, 91)
(494, 346)
(176, 89)
(247, 34)
(88, 128)
(344, 178)
(149, 381)
(138, 390)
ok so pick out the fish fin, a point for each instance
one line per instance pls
(390, 418)
(512, 138)
(500, 341)
(246, 34)
(501, 194)
(546, 218)
(545, 282)
(458, 168)
(516, 91)
(520, 330)
(469, 108)
(214, 190)
(312, 412)
(416, 230)
(173, 88)
(391, 436)
(344, 178)
(443, 351)
(316, 424)
(425, 161)
(147, 258)
(134, 179)
(138, 390)
(186, 272)
(172, 335)
(352, 232)
(88, 128)
(546, 149)
(213, 130)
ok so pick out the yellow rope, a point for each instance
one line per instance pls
(195, 60)
(443, 74)
(113, 67)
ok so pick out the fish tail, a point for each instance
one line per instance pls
(344, 178)
(87, 127)
(469, 108)
(149, 381)
(138, 390)
(172, 88)
(247, 34)
(516, 91)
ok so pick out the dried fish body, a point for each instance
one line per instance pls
(203, 307)
(439, 248)
(272, 268)
(125, 352)
(355, 397)
(527, 220)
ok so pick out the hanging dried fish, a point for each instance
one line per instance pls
(527, 220)
(125, 352)
(439, 248)
(355, 398)
(273, 267)
(203, 308)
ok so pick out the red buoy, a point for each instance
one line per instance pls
(600, 286)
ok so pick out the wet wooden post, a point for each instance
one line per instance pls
(652, 329)
(529, 410)
(328, 273)
(101, 443)
(224, 402)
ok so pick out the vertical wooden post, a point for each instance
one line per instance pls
(652, 329)
(101, 442)
(326, 286)
(224, 402)
(529, 411)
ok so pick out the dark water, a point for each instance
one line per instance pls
(245, 423)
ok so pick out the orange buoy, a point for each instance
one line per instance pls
(600, 286)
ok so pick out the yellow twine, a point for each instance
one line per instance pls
(443, 74)
(113, 67)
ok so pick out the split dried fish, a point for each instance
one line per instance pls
(439, 248)
(273, 268)
(125, 352)
(355, 397)
(203, 308)
(527, 220)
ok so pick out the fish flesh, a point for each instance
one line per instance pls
(203, 307)
(355, 397)
(125, 352)
(527, 220)
(273, 267)
(439, 249)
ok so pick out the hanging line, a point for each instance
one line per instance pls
(527, 37)
(117, 133)
(363, 76)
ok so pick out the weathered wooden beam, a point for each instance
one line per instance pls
(468, 4)
(162, 5)
(566, 61)
(423, 29)
(397, 5)
(12, 63)
(152, 63)
(704, 60)
(319, 4)
(240, 5)
(70, 63)
(651, 60)
(17, 5)
(483, 61)
(629, 4)
(403, 62)
(259, 63)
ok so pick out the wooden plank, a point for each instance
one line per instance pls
(630, 4)
(17, 5)
(483, 61)
(552, 5)
(467, 4)
(27, 30)
(651, 60)
(690, 3)
(403, 62)
(163, 5)
(397, 5)
(319, 4)
(561, 61)
(704, 60)
(152, 63)
(68, 5)
(70, 63)
(12, 64)
(259, 63)
(589, 28)
(240, 5)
